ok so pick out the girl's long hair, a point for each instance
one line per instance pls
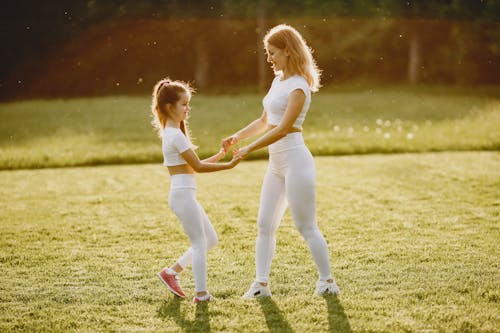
(300, 59)
(167, 91)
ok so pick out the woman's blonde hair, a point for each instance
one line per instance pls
(300, 59)
(166, 92)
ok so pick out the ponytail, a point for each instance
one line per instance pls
(166, 92)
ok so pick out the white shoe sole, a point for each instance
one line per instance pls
(256, 296)
(328, 292)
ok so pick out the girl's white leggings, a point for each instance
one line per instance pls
(196, 224)
(290, 180)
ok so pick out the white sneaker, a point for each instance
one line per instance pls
(257, 290)
(327, 288)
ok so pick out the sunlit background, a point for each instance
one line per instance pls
(90, 48)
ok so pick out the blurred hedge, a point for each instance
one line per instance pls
(126, 56)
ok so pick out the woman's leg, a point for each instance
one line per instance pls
(300, 182)
(183, 203)
(272, 207)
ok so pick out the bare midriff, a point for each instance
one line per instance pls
(291, 130)
(180, 169)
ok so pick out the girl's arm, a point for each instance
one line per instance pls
(201, 166)
(257, 126)
(295, 103)
(216, 158)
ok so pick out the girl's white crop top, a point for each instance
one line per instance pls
(174, 143)
(277, 98)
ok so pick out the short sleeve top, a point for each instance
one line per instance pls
(276, 100)
(174, 143)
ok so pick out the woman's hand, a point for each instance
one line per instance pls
(229, 141)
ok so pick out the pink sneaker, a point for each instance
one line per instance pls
(205, 298)
(172, 283)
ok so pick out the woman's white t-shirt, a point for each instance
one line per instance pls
(174, 143)
(276, 100)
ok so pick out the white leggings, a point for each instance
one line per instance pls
(194, 220)
(290, 179)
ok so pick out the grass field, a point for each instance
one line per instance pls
(116, 130)
(413, 236)
(413, 239)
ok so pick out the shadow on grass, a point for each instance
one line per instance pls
(274, 317)
(337, 319)
(172, 309)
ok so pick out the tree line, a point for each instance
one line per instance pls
(450, 41)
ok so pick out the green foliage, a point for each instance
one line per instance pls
(342, 120)
(413, 240)
(127, 56)
(82, 48)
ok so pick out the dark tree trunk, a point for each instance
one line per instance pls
(414, 61)
(202, 63)
(261, 70)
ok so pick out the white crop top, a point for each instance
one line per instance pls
(277, 98)
(174, 142)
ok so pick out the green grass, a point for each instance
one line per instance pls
(114, 130)
(413, 240)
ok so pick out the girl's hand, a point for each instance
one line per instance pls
(228, 142)
(235, 159)
(243, 152)
(222, 152)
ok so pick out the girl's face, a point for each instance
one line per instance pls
(179, 111)
(278, 58)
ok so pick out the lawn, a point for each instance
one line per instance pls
(413, 238)
(342, 121)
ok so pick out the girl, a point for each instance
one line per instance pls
(170, 107)
(290, 177)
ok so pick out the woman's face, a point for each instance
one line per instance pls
(278, 58)
(179, 111)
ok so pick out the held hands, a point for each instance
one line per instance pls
(238, 154)
(236, 159)
(242, 152)
(228, 142)
(221, 153)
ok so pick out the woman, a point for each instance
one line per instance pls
(290, 177)
(170, 107)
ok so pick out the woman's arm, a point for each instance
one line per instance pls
(295, 103)
(257, 126)
(201, 166)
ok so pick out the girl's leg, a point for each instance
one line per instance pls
(183, 203)
(301, 195)
(210, 234)
(211, 238)
(272, 207)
